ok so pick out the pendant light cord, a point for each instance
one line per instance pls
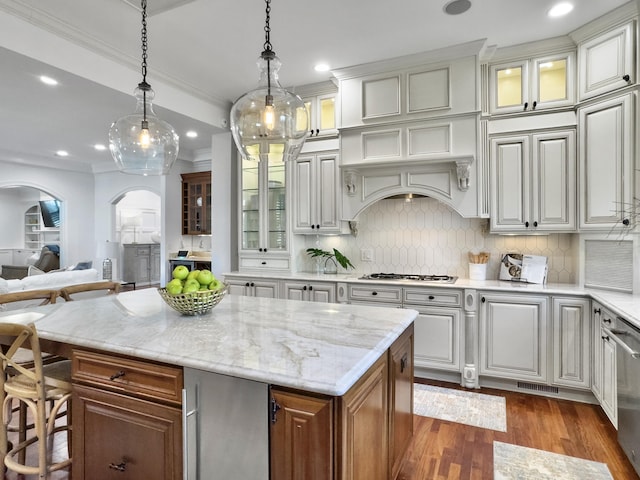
(268, 54)
(144, 86)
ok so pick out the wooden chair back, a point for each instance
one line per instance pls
(109, 287)
(47, 296)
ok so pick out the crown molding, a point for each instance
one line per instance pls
(616, 17)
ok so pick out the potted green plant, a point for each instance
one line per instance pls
(335, 256)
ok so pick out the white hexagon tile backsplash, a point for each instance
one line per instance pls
(425, 236)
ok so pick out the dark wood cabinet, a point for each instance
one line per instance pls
(196, 203)
(362, 435)
(401, 400)
(127, 418)
(301, 436)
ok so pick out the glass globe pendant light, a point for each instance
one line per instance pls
(141, 143)
(269, 123)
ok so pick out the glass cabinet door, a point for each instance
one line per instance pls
(250, 205)
(552, 83)
(263, 210)
(276, 204)
(510, 86)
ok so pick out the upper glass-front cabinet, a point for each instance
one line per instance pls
(322, 114)
(527, 85)
(264, 215)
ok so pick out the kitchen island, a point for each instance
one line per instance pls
(256, 372)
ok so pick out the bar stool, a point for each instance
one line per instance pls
(109, 287)
(35, 388)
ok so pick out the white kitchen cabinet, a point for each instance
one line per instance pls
(316, 192)
(533, 182)
(322, 114)
(513, 336)
(606, 142)
(6, 257)
(571, 342)
(607, 62)
(309, 291)
(21, 255)
(141, 263)
(532, 84)
(252, 287)
(604, 385)
(374, 295)
(263, 238)
(438, 338)
(439, 333)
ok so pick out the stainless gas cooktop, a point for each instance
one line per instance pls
(410, 277)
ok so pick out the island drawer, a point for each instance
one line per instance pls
(420, 296)
(375, 293)
(129, 376)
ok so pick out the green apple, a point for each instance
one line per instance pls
(191, 285)
(180, 272)
(174, 287)
(193, 274)
(205, 277)
(216, 284)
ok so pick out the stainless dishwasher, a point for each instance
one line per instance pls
(627, 338)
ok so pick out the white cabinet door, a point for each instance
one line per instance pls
(609, 400)
(309, 291)
(533, 182)
(316, 190)
(437, 338)
(6, 257)
(252, 287)
(606, 62)
(606, 163)
(510, 177)
(553, 181)
(513, 336)
(571, 342)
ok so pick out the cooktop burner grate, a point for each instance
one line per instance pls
(414, 277)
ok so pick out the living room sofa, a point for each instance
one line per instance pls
(48, 281)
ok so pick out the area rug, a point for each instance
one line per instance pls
(460, 406)
(512, 462)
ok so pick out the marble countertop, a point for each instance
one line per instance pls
(316, 347)
(625, 305)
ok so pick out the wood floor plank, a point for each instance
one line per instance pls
(452, 451)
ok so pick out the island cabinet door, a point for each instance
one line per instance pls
(401, 400)
(123, 438)
(363, 445)
(301, 437)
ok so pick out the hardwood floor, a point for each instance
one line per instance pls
(446, 450)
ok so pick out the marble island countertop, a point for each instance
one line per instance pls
(316, 347)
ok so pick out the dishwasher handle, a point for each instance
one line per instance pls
(615, 336)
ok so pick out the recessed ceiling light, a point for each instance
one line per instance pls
(456, 7)
(62, 153)
(192, 134)
(321, 67)
(48, 80)
(560, 9)
(100, 147)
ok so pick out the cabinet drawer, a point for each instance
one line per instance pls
(378, 293)
(432, 297)
(124, 375)
(265, 263)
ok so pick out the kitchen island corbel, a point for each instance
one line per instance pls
(272, 388)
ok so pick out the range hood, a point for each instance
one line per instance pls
(451, 180)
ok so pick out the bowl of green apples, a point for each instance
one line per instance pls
(193, 292)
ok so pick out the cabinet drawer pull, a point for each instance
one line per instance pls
(120, 467)
(431, 297)
(264, 263)
(626, 78)
(605, 337)
(535, 104)
(374, 293)
(121, 373)
(596, 310)
(526, 104)
(606, 320)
